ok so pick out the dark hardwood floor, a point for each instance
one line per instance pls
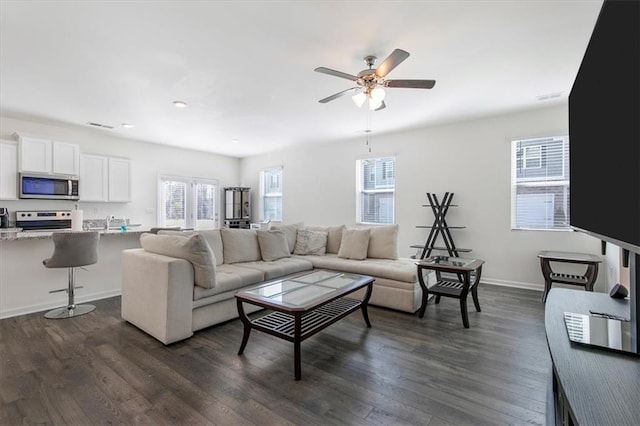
(97, 369)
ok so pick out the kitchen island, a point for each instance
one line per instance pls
(25, 282)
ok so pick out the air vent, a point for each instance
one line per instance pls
(104, 126)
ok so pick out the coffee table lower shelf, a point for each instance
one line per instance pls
(283, 325)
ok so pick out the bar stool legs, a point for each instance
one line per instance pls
(71, 310)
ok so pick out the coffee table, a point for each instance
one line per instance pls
(302, 305)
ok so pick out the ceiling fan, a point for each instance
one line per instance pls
(370, 82)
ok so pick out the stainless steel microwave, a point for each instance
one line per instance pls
(50, 187)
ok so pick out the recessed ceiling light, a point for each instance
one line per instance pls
(235, 140)
(180, 104)
(127, 125)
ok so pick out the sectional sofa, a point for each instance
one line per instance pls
(181, 282)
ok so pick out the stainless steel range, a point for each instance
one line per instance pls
(43, 219)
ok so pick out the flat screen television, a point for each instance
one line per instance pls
(604, 138)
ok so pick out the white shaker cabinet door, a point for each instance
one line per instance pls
(94, 178)
(119, 180)
(8, 171)
(35, 154)
(66, 158)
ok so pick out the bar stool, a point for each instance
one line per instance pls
(71, 250)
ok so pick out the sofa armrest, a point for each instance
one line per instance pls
(157, 294)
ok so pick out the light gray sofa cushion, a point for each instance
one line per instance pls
(383, 242)
(400, 270)
(240, 245)
(193, 248)
(273, 244)
(278, 268)
(292, 233)
(311, 242)
(354, 243)
(230, 277)
(334, 236)
(212, 236)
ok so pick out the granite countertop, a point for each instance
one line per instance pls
(46, 235)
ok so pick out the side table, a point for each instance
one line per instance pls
(456, 288)
(587, 280)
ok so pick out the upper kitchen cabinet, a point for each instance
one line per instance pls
(94, 178)
(105, 179)
(66, 158)
(43, 155)
(8, 170)
(119, 180)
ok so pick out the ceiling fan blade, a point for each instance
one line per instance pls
(335, 73)
(410, 84)
(336, 95)
(392, 61)
(383, 106)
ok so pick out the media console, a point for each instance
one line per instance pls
(590, 385)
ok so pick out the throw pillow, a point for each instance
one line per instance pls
(311, 242)
(240, 245)
(383, 242)
(211, 236)
(291, 231)
(354, 243)
(273, 244)
(194, 249)
(333, 238)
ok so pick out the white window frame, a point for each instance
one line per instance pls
(264, 196)
(538, 182)
(191, 201)
(360, 190)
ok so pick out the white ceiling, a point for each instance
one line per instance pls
(246, 68)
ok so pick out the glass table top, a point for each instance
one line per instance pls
(303, 289)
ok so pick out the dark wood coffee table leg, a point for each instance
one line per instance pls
(247, 326)
(474, 289)
(365, 304)
(463, 299)
(425, 293)
(297, 338)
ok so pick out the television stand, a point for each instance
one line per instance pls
(590, 385)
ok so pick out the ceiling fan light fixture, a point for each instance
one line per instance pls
(377, 94)
(374, 104)
(359, 99)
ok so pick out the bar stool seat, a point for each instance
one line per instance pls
(72, 250)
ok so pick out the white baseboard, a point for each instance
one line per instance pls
(514, 284)
(23, 310)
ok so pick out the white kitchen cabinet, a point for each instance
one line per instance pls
(105, 179)
(119, 180)
(36, 154)
(66, 158)
(44, 155)
(94, 178)
(8, 170)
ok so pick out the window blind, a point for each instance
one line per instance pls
(540, 187)
(376, 190)
(271, 193)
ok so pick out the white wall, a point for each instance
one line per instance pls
(471, 159)
(148, 160)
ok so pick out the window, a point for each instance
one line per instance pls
(187, 202)
(376, 190)
(271, 193)
(540, 183)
